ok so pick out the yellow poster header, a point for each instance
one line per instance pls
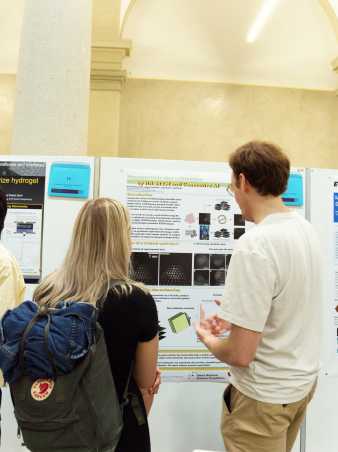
(19, 181)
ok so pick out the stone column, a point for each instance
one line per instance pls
(52, 99)
(107, 78)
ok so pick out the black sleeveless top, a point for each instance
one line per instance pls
(127, 320)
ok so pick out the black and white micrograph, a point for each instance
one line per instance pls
(217, 277)
(238, 232)
(201, 278)
(176, 269)
(144, 268)
(217, 261)
(204, 218)
(201, 261)
(239, 220)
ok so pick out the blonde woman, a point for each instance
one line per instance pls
(96, 270)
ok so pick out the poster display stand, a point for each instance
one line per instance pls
(24, 185)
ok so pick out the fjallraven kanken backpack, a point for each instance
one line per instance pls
(76, 412)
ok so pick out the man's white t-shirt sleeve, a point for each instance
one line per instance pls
(249, 290)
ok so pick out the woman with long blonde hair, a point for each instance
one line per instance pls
(96, 270)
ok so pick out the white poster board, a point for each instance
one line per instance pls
(23, 183)
(185, 416)
(321, 421)
(59, 213)
(59, 216)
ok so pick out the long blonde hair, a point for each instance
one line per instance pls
(99, 254)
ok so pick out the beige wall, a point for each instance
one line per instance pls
(7, 96)
(205, 121)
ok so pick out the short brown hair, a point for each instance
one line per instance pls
(264, 165)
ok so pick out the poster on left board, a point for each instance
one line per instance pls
(24, 185)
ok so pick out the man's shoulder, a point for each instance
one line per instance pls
(252, 240)
(7, 260)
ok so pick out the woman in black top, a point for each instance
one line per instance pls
(96, 269)
(128, 322)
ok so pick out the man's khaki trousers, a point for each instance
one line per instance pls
(254, 426)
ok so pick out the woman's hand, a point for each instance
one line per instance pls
(148, 393)
(156, 385)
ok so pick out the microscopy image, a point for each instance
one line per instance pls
(217, 277)
(201, 278)
(204, 231)
(176, 269)
(190, 218)
(217, 261)
(221, 219)
(204, 218)
(223, 205)
(191, 233)
(239, 220)
(201, 261)
(222, 234)
(144, 268)
(238, 232)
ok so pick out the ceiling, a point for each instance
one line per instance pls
(189, 40)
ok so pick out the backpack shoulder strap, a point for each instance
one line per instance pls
(42, 311)
(125, 399)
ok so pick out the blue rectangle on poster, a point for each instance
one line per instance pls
(69, 180)
(335, 207)
(294, 195)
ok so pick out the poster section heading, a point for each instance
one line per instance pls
(24, 185)
(184, 227)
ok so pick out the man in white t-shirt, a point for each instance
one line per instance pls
(272, 304)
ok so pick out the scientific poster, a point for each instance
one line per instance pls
(335, 250)
(184, 228)
(24, 185)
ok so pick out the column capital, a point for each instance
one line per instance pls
(106, 65)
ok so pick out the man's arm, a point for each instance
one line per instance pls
(12, 286)
(238, 350)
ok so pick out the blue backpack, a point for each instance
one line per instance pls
(60, 379)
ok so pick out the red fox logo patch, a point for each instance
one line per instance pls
(41, 389)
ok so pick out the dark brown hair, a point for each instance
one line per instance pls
(264, 165)
(3, 209)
